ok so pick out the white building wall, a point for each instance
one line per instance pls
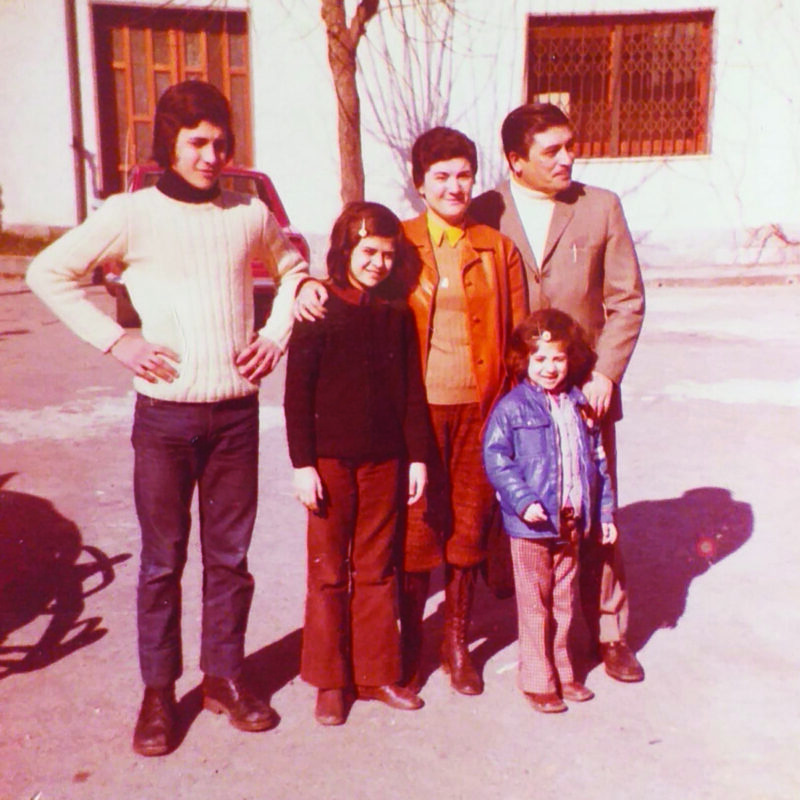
(36, 172)
(691, 209)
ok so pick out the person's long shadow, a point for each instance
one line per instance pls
(668, 543)
(266, 671)
(43, 573)
(493, 626)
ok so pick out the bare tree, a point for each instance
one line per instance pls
(343, 39)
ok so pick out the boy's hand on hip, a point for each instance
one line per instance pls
(598, 390)
(258, 359)
(144, 359)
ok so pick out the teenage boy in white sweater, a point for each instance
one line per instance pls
(187, 247)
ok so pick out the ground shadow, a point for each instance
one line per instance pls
(272, 667)
(669, 543)
(493, 626)
(266, 671)
(46, 573)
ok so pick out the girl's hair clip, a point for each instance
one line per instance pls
(545, 336)
(362, 231)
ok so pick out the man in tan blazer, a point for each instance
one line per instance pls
(579, 257)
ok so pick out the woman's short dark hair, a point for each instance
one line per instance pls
(550, 325)
(523, 123)
(358, 220)
(186, 105)
(440, 144)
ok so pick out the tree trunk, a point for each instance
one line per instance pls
(342, 44)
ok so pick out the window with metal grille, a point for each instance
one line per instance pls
(139, 52)
(634, 85)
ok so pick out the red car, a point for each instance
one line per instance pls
(237, 179)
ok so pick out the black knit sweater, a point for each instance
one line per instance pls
(353, 384)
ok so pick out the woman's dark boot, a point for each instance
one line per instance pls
(413, 594)
(456, 660)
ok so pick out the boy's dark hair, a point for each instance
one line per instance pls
(440, 144)
(523, 123)
(551, 325)
(358, 220)
(186, 105)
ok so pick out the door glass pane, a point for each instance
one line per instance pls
(117, 44)
(239, 107)
(144, 141)
(139, 68)
(193, 50)
(237, 43)
(161, 50)
(215, 56)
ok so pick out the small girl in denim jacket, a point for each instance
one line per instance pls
(543, 456)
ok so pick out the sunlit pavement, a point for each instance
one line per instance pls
(710, 453)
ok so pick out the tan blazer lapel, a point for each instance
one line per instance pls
(511, 226)
(562, 214)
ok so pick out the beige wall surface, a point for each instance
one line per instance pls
(719, 206)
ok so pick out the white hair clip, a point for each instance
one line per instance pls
(546, 336)
(362, 231)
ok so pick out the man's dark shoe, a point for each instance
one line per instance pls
(330, 709)
(620, 662)
(230, 696)
(546, 702)
(154, 734)
(400, 697)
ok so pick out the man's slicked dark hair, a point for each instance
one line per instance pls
(523, 123)
(440, 144)
(186, 105)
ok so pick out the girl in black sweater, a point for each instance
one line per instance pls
(357, 425)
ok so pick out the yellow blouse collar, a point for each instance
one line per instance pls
(438, 229)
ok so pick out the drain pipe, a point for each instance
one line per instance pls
(76, 111)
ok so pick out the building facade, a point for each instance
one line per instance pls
(689, 113)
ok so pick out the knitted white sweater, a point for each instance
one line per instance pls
(187, 269)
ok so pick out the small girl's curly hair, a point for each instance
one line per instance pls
(550, 325)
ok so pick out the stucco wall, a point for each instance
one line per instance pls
(696, 209)
(35, 135)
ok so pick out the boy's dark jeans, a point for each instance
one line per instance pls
(215, 447)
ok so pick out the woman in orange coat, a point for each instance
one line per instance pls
(466, 288)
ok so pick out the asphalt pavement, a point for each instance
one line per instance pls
(710, 453)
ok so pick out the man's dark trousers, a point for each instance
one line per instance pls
(178, 446)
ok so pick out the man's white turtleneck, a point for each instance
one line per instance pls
(535, 210)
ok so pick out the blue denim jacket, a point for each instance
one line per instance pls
(522, 457)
